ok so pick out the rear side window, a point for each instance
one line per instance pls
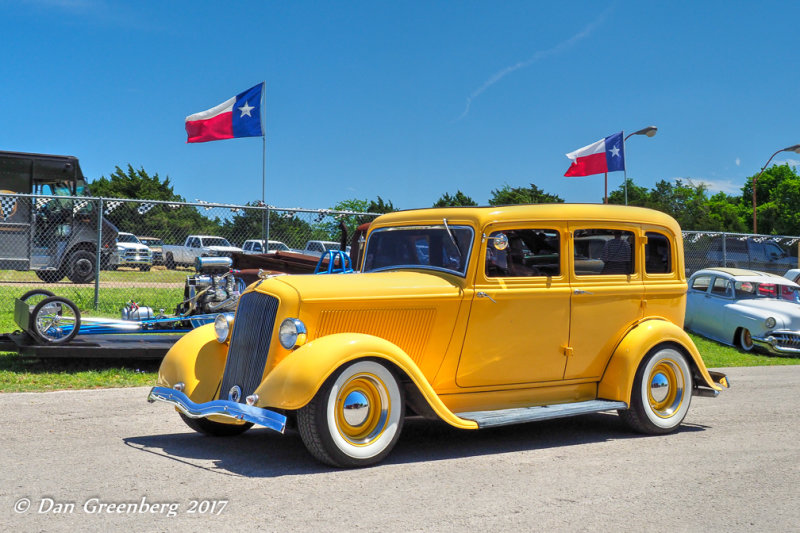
(701, 283)
(604, 251)
(530, 252)
(722, 287)
(657, 254)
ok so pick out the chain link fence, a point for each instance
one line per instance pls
(145, 249)
(767, 253)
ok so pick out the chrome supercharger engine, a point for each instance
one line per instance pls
(214, 289)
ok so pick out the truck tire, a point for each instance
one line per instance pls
(170, 262)
(50, 276)
(81, 268)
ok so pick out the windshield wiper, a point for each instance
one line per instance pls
(453, 238)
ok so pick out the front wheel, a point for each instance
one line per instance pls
(356, 417)
(81, 266)
(662, 391)
(745, 340)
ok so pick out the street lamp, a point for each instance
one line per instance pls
(795, 149)
(650, 131)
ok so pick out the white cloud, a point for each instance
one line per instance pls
(790, 162)
(738, 162)
(714, 186)
(560, 47)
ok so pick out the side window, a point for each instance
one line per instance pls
(604, 251)
(247, 246)
(530, 252)
(657, 254)
(701, 283)
(722, 287)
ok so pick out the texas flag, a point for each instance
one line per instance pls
(606, 155)
(239, 116)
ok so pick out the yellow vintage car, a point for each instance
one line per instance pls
(479, 317)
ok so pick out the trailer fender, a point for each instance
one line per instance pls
(297, 378)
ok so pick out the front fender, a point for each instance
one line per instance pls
(617, 381)
(296, 379)
(197, 360)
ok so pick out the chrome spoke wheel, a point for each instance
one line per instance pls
(55, 320)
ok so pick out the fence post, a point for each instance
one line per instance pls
(266, 239)
(97, 255)
(724, 250)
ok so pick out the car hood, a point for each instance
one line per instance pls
(132, 246)
(370, 286)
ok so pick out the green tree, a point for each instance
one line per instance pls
(777, 200)
(638, 196)
(508, 195)
(380, 206)
(459, 199)
(171, 225)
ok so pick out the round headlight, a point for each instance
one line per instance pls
(222, 327)
(292, 333)
(770, 322)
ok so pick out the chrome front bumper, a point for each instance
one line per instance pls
(234, 410)
(780, 342)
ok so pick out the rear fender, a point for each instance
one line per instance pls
(617, 381)
(296, 379)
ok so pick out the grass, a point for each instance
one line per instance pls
(128, 275)
(22, 374)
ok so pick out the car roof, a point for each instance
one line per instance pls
(744, 274)
(481, 216)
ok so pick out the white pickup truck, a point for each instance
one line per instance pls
(194, 247)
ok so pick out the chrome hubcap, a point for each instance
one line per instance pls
(659, 387)
(356, 408)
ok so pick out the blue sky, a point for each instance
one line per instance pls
(406, 100)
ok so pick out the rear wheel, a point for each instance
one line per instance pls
(55, 320)
(356, 417)
(215, 429)
(662, 392)
(170, 262)
(35, 296)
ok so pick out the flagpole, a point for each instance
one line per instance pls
(605, 196)
(624, 167)
(265, 216)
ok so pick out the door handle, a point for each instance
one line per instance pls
(579, 291)
(482, 294)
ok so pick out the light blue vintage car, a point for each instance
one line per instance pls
(745, 308)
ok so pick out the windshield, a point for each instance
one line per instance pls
(278, 246)
(774, 291)
(152, 242)
(215, 241)
(419, 247)
(127, 237)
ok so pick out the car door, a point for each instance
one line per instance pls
(606, 301)
(519, 319)
(711, 310)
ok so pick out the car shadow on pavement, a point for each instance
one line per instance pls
(263, 453)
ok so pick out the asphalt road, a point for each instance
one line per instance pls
(734, 466)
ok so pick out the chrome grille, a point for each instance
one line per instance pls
(250, 340)
(786, 339)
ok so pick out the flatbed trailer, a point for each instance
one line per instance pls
(99, 346)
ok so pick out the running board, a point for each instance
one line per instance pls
(504, 417)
